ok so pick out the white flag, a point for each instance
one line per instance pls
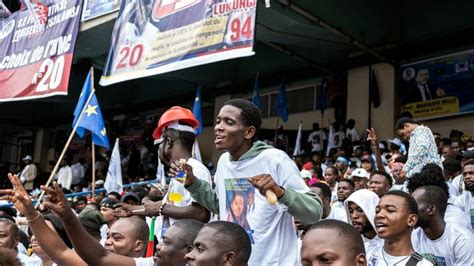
(297, 150)
(331, 143)
(197, 151)
(160, 173)
(113, 181)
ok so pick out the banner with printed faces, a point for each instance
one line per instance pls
(155, 37)
(438, 87)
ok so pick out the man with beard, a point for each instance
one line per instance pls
(436, 240)
(360, 209)
(324, 193)
(395, 218)
(465, 201)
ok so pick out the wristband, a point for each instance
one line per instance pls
(161, 209)
(38, 215)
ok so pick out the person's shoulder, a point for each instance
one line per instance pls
(149, 261)
(458, 232)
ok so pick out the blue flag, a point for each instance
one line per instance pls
(86, 91)
(322, 103)
(281, 104)
(197, 110)
(92, 118)
(256, 93)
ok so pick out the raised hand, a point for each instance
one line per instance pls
(18, 196)
(177, 166)
(372, 136)
(57, 202)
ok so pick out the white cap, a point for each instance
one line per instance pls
(306, 174)
(360, 172)
(27, 158)
(396, 141)
(99, 182)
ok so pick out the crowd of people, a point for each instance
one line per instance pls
(350, 199)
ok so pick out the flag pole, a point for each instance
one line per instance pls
(93, 145)
(276, 131)
(68, 142)
(93, 170)
(55, 169)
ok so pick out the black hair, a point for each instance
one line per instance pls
(250, 114)
(401, 159)
(434, 195)
(470, 162)
(404, 120)
(116, 194)
(232, 237)
(430, 175)
(81, 198)
(406, 114)
(410, 201)
(333, 168)
(325, 190)
(185, 138)
(387, 176)
(191, 227)
(352, 239)
(59, 227)
(349, 181)
(141, 230)
(451, 164)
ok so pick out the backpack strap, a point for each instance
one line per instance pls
(414, 259)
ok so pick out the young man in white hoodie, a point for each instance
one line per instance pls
(250, 166)
(360, 209)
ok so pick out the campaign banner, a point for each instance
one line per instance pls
(37, 51)
(155, 37)
(93, 8)
(438, 87)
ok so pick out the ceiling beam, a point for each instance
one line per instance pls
(333, 29)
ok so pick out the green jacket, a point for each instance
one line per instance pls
(306, 207)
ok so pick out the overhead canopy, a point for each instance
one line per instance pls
(298, 39)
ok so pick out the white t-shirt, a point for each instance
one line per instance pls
(371, 245)
(28, 261)
(337, 214)
(465, 202)
(381, 258)
(270, 227)
(455, 215)
(64, 177)
(452, 248)
(178, 196)
(316, 138)
(400, 187)
(352, 134)
(453, 192)
(458, 184)
(338, 137)
(144, 261)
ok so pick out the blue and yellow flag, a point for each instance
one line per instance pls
(281, 104)
(92, 118)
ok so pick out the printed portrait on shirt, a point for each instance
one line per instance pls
(240, 199)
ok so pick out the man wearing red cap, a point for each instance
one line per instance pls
(175, 135)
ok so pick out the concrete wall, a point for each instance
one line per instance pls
(383, 117)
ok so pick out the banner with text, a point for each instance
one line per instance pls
(93, 9)
(37, 50)
(155, 37)
(438, 87)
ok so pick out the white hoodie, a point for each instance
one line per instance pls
(367, 201)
